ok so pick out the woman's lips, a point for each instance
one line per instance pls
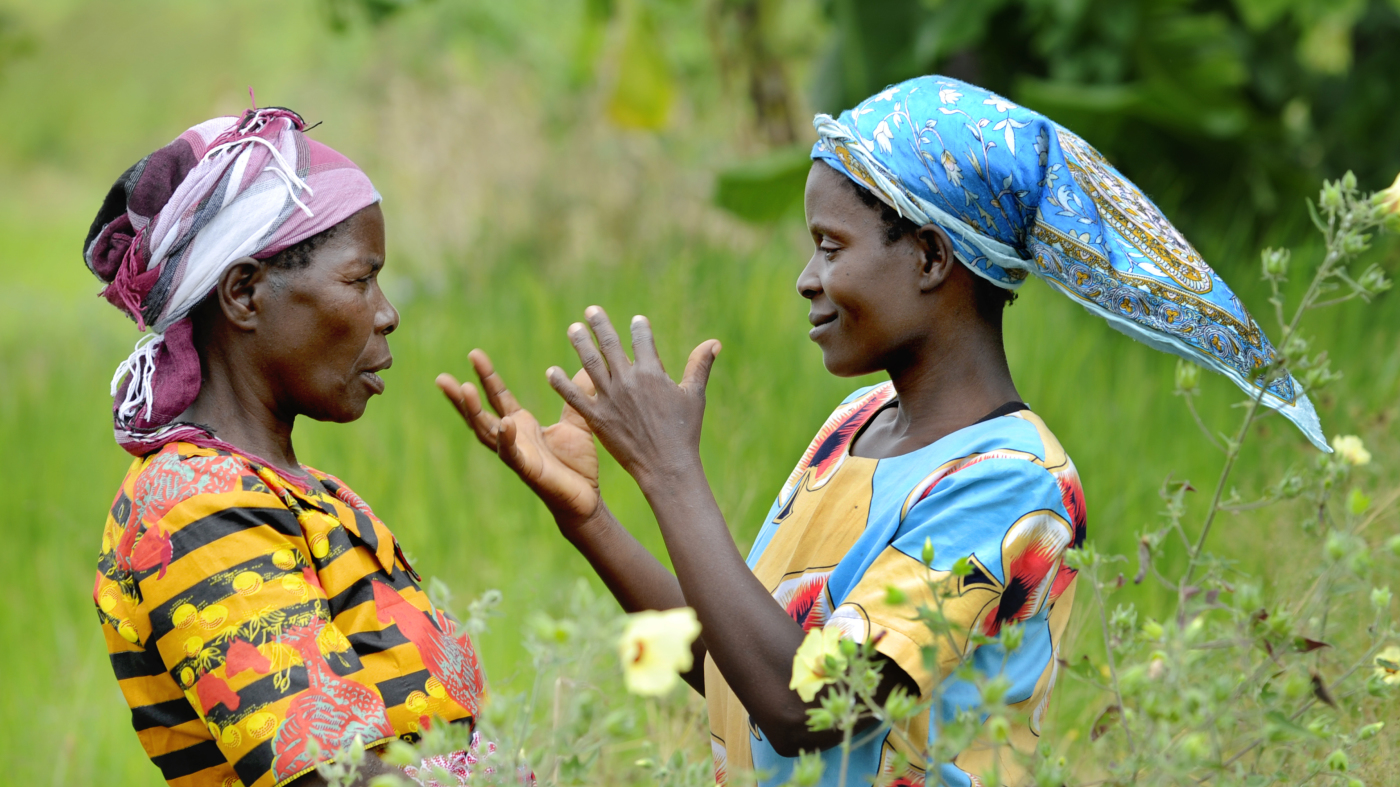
(374, 381)
(820, 324)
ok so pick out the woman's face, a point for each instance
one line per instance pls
(323, 329)
(865, 293)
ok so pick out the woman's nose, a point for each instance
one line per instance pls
(386, 317)
(809, 284)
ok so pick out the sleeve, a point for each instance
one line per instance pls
(1006, 518)
(231, 602)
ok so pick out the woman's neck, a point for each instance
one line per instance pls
(941, 389)
(241, 413)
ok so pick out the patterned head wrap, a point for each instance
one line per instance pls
(1018, 194)
(229, 188)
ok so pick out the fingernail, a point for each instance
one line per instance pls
(718, 347)
(591, 311)
(575, 328)
(637, 319)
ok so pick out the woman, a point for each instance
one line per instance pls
(258, 615)
(928, 203)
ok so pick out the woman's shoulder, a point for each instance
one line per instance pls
(177, 473)
(182, 469)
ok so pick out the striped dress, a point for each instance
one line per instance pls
(247, 614)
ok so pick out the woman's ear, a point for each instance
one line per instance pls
(240, 290)
(936, 252)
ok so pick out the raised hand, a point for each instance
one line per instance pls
(558, 462)
(650, 424)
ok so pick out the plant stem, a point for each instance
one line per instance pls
(1108, 652)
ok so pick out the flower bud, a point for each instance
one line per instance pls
(999, 729)
(1276, 263)
(1349, 181)
(1380, 598)
(1337, 761)
(1373, 280)
(1358, 502)
(1336, 546)
(1387, 202)
(1331, 197)
(928, 552)
(1188, 377)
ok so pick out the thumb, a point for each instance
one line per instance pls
(572, 416)
(697, 368)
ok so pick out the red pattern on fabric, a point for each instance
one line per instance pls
(242, 656)
(332, 712)
(212, 690)
(450, 659)
(809, 594)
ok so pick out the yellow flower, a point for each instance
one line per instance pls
(1388, 665)
(655, 649)
(1351, 450)
(810, 668)
(1389, 199)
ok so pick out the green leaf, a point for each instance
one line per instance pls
(765, 189)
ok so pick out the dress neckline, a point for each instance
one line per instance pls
(1006, 408)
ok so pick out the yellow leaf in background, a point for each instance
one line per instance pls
(643, 91)
(1325, 47)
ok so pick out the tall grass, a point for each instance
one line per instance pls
(464, 518)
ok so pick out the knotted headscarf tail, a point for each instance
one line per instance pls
(1020, 195)
(228, 188)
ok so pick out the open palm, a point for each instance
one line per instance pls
(558, 462)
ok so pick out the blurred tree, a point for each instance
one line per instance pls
(1209, 105)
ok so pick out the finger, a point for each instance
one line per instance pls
(467, 401)
(644, 344)
(483, 422)
(509, 450)
(569, 414)
(572, 394)
(608, 340)
(451, 389)
(697, 369)
(588, 353)
(500, 397)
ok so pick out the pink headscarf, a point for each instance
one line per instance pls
(228, 188)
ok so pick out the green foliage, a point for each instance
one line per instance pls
(474, 115)
(1207, 105)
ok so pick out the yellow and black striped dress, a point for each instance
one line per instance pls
(246, 615)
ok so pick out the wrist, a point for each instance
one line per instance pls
(580, 530)
(668, 475)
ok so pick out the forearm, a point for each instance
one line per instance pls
(632, 574)
(749, 635)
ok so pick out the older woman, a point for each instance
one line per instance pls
(254, 606)
(928, 204)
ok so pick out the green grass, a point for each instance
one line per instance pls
(465, 519)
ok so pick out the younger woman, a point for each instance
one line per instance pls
(928, 204)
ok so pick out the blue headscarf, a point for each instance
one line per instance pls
(1018, 194)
